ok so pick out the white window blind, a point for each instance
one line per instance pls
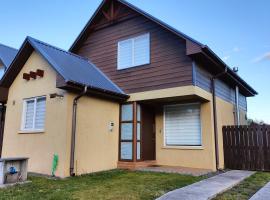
(134, 52)
(34, 114)
(182, 125)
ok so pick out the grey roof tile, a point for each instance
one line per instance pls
(7, 54)
(74, 68)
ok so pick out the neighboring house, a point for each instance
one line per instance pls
(132, 91)
(7, 54)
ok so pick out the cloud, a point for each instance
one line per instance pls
(236, 49)
(264, 57)
(226, 58)
(229, 53)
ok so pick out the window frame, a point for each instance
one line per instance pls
(132, 57)
(120, 133)
(33, 129)
(181, 145)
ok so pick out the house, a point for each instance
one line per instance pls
(7, 54)
(130, 92)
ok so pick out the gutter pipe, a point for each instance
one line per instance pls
(215, 115)
(237, 106)
(73, 130)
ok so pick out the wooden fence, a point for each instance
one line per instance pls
(247, 147)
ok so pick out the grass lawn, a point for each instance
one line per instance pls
(115, 184)
(247, 188)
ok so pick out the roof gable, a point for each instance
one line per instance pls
(193, 47)
(111, 9)
(72, 68)
(7, 54)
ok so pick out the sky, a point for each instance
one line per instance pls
(237, 31)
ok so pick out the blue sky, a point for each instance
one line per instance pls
(238, 31)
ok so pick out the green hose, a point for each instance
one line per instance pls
(54, 164)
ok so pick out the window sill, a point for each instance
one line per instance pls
(30, 131)
(125, 68)
(184, 147)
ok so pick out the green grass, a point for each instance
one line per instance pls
(247, 188)
(115, 184)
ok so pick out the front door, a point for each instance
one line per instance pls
(148, 133)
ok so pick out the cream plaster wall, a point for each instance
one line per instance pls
(96, 146)
(39, 147)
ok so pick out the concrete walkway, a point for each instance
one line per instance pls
(208, 188)
(262, 194)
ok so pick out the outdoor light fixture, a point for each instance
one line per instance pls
(54, 95)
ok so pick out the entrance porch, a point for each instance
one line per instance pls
(143, 143)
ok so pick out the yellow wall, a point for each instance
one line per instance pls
(170, 92)
(96, 147)
(39, 147)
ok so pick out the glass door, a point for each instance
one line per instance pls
(130, 132)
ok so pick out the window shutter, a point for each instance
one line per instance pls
(125, 54)
(182, 124)
(141, 50)
(29, 114)
(40, 113)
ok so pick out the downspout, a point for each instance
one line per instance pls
(73, 130)
(237, 105)
(215, 115)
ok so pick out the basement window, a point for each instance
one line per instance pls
(133, 52)
(33, 118)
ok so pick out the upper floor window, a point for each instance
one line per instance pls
(134, 52)
(34, 114)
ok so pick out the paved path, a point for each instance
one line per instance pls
(262, 194)
(208, 188)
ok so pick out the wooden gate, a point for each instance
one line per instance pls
(247, 147)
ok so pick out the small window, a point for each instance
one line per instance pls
(182, 125)
(34, 114)
(134, 52)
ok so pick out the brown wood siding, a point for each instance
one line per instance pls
(169, 67)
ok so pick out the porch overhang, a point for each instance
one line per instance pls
(176, 94)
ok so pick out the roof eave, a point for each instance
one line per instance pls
(207, 50)
(108, 92)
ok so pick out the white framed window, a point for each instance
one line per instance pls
(182, 125)
(133, 52)
(33, 118)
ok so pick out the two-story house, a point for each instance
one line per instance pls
(132, 91)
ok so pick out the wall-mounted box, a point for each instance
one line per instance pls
(13, 170)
